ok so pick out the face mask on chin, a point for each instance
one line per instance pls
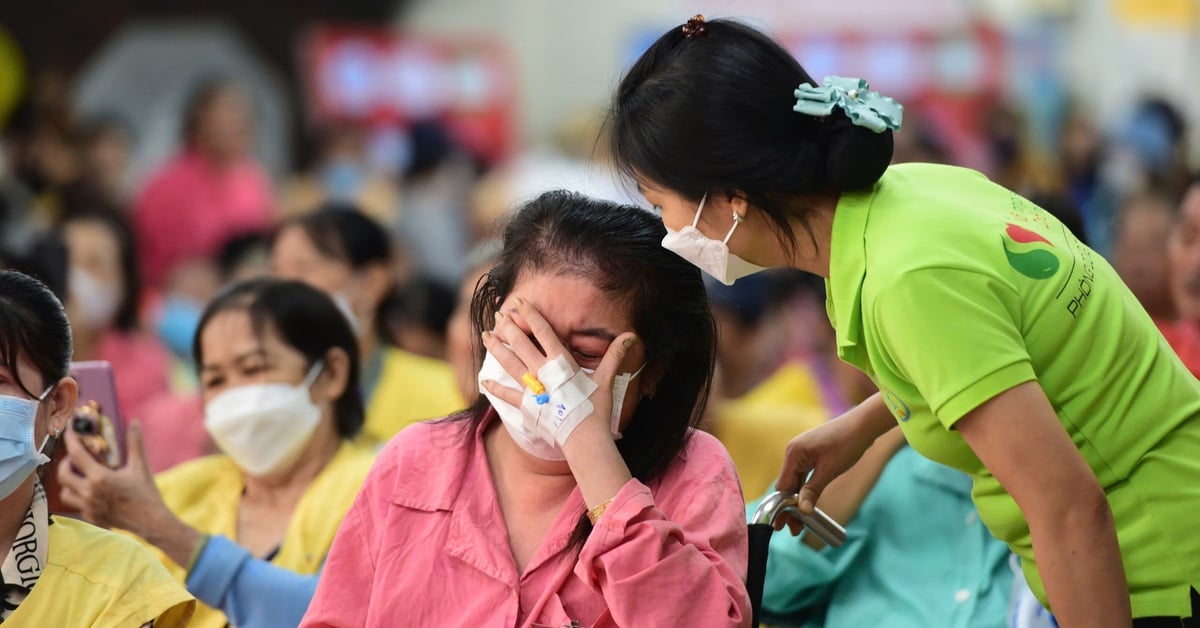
(711, 256)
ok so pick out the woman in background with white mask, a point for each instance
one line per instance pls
(575, 490)
(57, 571)
(247, 530)
(104, 289)
(340, 251)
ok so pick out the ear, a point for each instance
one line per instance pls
(335, 376)
(377, 282)
(61, 403)
(737, 200)
(648, 381)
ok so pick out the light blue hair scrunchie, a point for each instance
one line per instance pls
(864, 107)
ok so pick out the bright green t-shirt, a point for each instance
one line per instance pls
(948, 289)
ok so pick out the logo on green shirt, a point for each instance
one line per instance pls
(896, 405)
(1027, 253)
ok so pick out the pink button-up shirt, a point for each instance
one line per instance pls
(425, 545)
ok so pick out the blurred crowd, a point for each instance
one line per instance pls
(401, 250)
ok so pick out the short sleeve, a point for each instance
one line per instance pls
(955, 336)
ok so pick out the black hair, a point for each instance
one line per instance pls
(239, 249)
(116, 224)
(33, 325)
(713, 113)
(43, 257)
(341, 231)
(304, 318)
(422, 301)
(618, 248)
(203, 94)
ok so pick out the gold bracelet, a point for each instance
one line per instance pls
(597, 510)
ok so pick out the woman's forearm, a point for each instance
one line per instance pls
(173, 537)
(873, 417)
(843, 497)
(596, 463)
(1079, 561)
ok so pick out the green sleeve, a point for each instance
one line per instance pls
(955, 335)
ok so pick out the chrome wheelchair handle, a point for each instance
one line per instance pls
(821, 524)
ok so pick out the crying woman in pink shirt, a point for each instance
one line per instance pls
(575, 491)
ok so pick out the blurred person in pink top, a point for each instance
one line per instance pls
(210, 191)
(102, 304)
(587, 498)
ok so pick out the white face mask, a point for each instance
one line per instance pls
(96, 302)
(524, 434)
(711, 256)
(343, 304)
(620, 386)
(264, 427)
(18, 457)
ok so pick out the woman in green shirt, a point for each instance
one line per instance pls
(1002, 345)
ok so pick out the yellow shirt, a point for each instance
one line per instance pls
(757, 426)
(94, 577)
(411, 388)
(205, 494)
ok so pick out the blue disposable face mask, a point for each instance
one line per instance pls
(18, 456)
(178, 324)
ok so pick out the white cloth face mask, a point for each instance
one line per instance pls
(264, 427)
(711, 256)
(541, 429)
(97, 302)
(523, 431)
(18, 456)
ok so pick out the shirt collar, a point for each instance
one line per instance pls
(432, 482)
(848, 267)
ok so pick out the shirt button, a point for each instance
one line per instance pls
(972, 518)
(962, 596)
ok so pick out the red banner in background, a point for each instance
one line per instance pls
(386, 79)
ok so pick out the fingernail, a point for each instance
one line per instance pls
(630, 341)
(499, 315)
(518, 300)
(806, 505)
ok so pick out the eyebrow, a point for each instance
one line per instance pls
(594, 332)
(260, 352)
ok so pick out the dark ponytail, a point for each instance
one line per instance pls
(713, 113)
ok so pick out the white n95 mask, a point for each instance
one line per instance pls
(264, 427)
(18, 457)
(711, 256)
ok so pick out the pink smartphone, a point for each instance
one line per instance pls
(97, 421)
(98, 416)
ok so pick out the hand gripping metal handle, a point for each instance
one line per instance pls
(821, 524)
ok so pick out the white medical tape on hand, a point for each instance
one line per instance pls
(555, 373)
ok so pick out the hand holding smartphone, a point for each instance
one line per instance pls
(98, 422)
